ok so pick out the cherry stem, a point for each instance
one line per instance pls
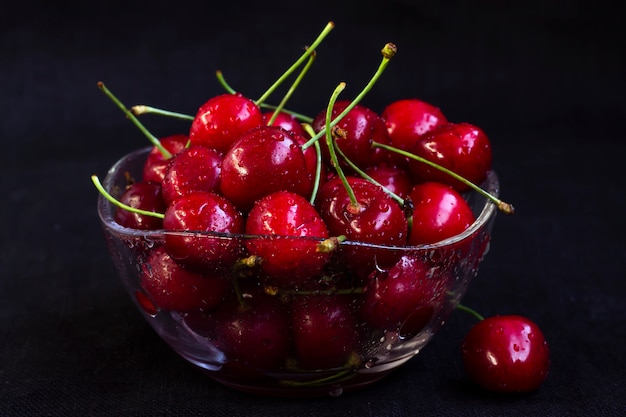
(105, 193)
(155, 141)
(470, 311)
(388, 51)
(318, 163)
(330, 244)
(271, 290)
(220, 78)
(363, 174)
(141, 109)
(293, 88)
(502, 206)
(308, 51)
(241, 269)
(299, 116)
(331, 148)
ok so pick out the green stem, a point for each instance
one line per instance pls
(502, 206)
(141, 109)
(388, 52)
(331, 148)
(470, 311)
(155, 141)
(299, 116)
(363, 174)
(105, 193)
(222, 81)
(318, 164)
(329, 291)
(329, 26)
(293, 88)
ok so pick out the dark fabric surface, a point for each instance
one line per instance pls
(545, 80)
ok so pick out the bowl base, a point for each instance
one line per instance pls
(313, 389)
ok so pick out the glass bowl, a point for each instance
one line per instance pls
(344, 331)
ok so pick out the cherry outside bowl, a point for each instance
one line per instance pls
(364, 348)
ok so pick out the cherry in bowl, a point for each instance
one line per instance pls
(279, 336)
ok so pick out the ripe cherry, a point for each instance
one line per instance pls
(222, 119)
(460, 147)
(144, 195)
(264, 160)
(287, 261)
(439, 212)
(253, 330)
(172, 287)
(196, 168)
(404, 297)
(408, 119)
(286, 121)
(324, 329)
(393, 177)
(359, 129)
(206, 217)
(372, 218)
(506, 354)
(156, 164)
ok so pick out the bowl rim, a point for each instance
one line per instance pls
(105, 213)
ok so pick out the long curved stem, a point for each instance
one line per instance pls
(502, 206)
(105, 193)
(331, 148)
(293, 88)
(329, 26)
(470, 311)
(141, 109)
(153, 139)
(318, 164)
(388, 51)
(299, 116)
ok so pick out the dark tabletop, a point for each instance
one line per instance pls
(545, 79)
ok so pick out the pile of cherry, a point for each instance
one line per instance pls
(282, 199)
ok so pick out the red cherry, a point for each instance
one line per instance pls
(222, 119)
(506, 354)
(460, 147)
(172, 287)
(439, 212)
(375, 219)
(324, 329)
(408, 119)
(203, 212)
(144, 195)
(394, 178)
(264, 160)
(196, 168)
(255, 332)
(155, 166)
(404, 297)
(361, 127)
(286, 121)
(286, 261)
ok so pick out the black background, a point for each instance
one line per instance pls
(544, 79)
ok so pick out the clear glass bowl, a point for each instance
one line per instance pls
(276, 346)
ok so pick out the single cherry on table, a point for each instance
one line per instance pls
(506, 353)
